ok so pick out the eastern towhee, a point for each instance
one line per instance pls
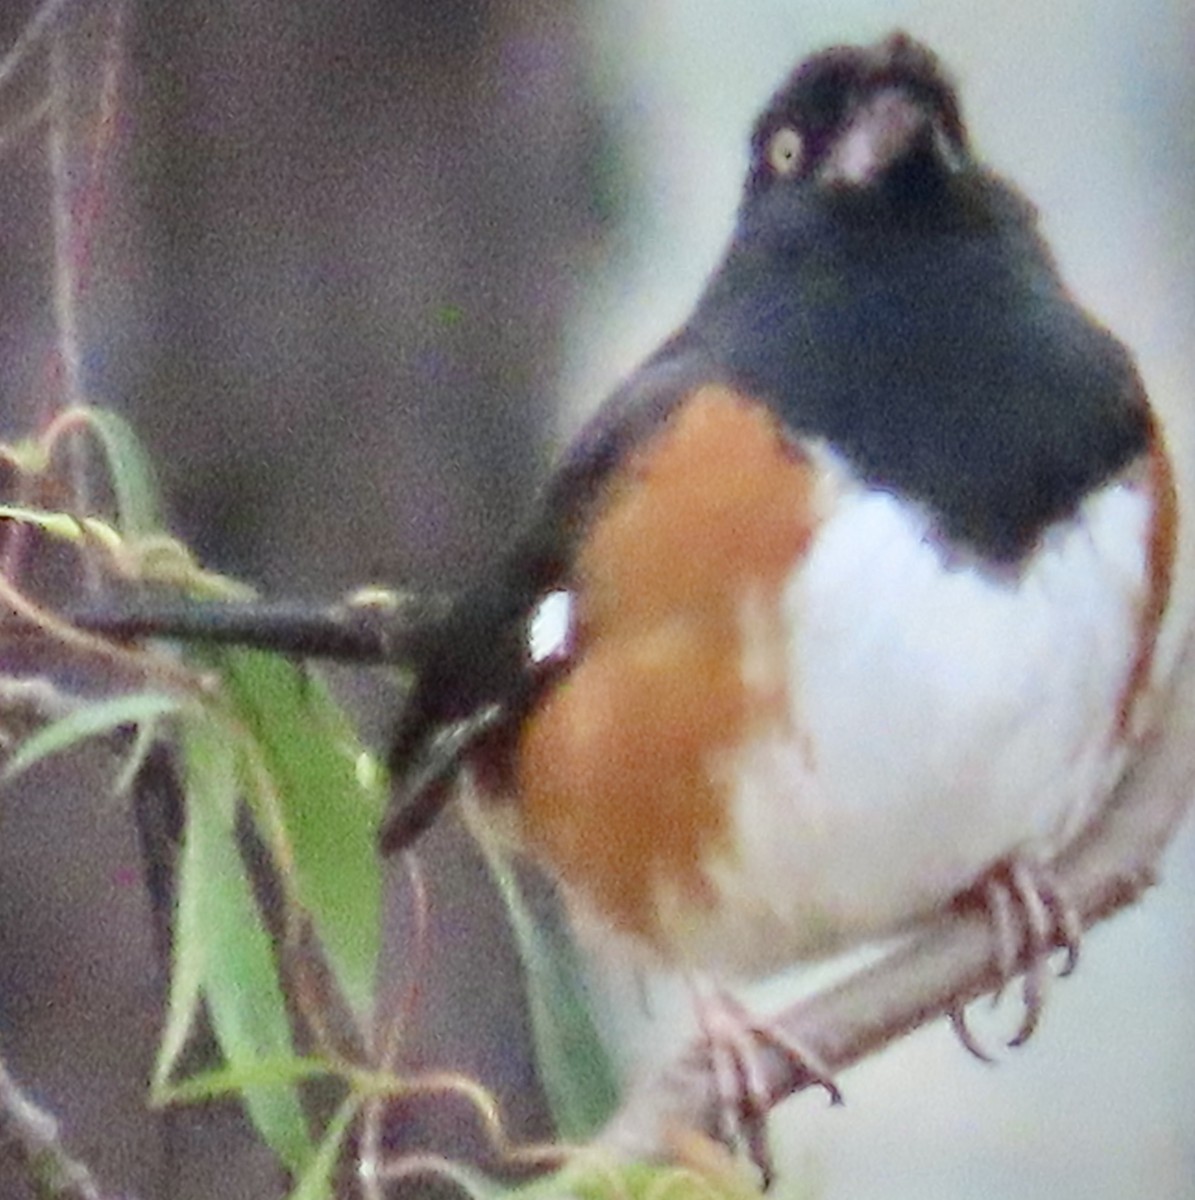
(856, 581)
(860, 573)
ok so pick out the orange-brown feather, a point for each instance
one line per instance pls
(1160, 554)
(618, 767)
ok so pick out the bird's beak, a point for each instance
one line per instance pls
(889, 128)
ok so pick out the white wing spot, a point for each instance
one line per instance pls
(549, 632)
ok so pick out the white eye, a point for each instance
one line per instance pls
(549, 634)
(784, 150)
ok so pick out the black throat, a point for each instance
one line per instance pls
(937, 349)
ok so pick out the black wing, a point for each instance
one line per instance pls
(476, 681)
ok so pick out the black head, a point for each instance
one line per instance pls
(870, 129)
(888, 294)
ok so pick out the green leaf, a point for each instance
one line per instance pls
(132, 476)
(329, 805)
(91, 721)
(590, 1177)
(211, 769)
(143, 742)
(316, 1181)
(578, 1077)
(56, 524)
(223, 949)
(229, 1080)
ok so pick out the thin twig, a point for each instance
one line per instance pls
(33, 32)
(33, 1134)
(66, 284)
(136, 663)
(392, 1028)
(62, 199)
(33, 700)
(95, 193)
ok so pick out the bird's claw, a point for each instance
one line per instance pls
(1030, 918)
(737, 1044)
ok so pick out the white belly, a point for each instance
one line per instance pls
(939, 719)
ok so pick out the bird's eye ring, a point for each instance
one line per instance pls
(784, 150)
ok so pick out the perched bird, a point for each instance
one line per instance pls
(846, 602)
(861, 571)
(857, 580)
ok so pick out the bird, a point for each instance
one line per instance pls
(861, 572)
(846, 603)
(855, 585)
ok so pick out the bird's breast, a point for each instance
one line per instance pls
(794, 718)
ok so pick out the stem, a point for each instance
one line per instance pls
(33, 1135)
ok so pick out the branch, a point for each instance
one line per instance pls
(947, 962)
(33, 1134)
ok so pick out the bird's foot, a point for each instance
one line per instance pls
(1030, 918)
(738, 1044)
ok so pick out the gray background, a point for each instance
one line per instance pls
(362, 267)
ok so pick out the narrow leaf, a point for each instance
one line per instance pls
(134, 483)
(210, 764)
(56, 524)
(316, 1181)
(331, 808)
(225, 1081)
(227, 938)
(578, 1077)
(92, 720)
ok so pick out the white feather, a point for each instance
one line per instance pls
(940, 718)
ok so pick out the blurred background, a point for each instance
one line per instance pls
(359, 270)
